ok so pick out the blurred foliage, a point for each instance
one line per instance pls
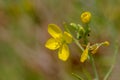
(12, 67)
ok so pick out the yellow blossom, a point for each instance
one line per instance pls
(85, 17)
(59, 41)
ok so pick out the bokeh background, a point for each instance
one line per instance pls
(23, 33)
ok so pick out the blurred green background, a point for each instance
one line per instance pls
(23, 33)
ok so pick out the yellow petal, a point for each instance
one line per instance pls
(52, 44)
(68, 37)
(84, 55)
(63, 52)
(54, 31)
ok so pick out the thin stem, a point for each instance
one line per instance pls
(109, 72)
(87, 74)
(94, 67)
(77, 76)
(113, 64)
(78, 44)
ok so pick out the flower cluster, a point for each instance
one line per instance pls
(60, 40)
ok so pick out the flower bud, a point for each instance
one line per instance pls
(106, 43)
(85, 17)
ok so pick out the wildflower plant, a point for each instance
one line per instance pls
(60, 40)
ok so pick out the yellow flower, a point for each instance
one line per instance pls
(85, 17)
(84, 55)
(59, 41)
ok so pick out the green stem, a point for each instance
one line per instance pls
(109, 72)
(94, 67)
(113, 64)
(78, 44)
(77, 76)
(87, 74)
